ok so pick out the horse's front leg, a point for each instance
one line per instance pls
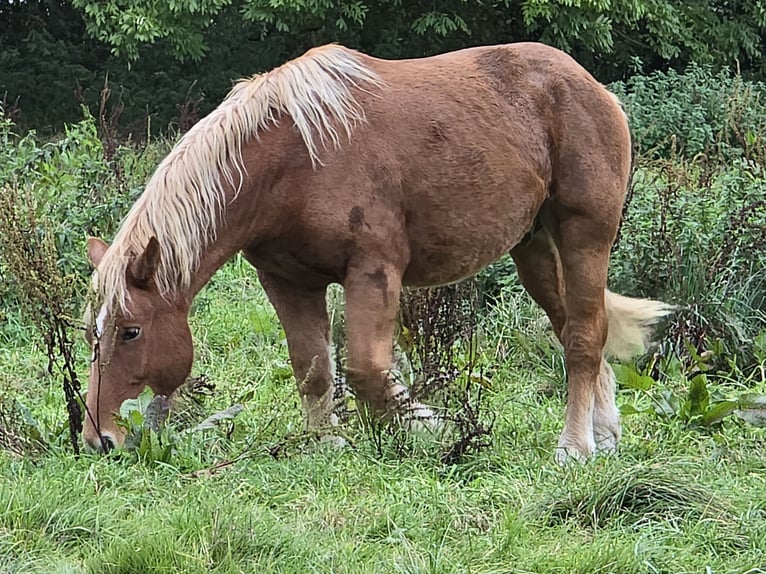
(372, 289)
(303, 314)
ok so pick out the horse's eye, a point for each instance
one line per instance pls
(129, 333)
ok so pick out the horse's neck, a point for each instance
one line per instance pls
(234, 234)
(237, 230)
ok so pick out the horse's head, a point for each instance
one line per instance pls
(149, 343)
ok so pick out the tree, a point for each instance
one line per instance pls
(607, 32)
(56, 54)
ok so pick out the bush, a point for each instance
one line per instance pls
(79, 189)
(695, 235)
(699, 111)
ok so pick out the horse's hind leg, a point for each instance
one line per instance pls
(539, 267)
(586, 221)
(303, 314)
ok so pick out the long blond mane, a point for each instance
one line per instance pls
(185, 199)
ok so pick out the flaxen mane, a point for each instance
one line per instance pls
(184, 200)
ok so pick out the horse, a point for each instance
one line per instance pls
(339, 167)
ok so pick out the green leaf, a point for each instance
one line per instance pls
(699, 398)
(136, 418)
(145, 446)
(759, 346)
(628, 409)
(138, 404)
(668, 404)
(719, 411)
(32, 426)
(630, 379)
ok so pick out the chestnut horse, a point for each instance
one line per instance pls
(338, 167)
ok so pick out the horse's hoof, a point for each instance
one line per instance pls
(420, 419)
(566, 456)
(570, 450)
(333, 440)
(606, 439)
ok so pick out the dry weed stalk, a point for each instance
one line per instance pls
(29, 258)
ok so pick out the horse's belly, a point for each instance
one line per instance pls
(463, 215)
(440, 259)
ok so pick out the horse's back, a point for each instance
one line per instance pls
(469, 139)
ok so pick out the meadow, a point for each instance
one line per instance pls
(229, 484)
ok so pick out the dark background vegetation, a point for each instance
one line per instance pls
(172, 61)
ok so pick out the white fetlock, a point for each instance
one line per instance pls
(319, 417)
(420, 419)
(574, 449)
(332, 439)
(411, 415)
(606, 440)
(606, 416)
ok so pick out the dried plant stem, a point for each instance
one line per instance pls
(29, 257)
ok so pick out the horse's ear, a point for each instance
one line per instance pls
(141, 270)
(96, 249)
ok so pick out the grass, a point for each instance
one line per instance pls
(252, 496)
(675, 500)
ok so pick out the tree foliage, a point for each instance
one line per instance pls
(127, 24)
(718, 31)
(56, 54)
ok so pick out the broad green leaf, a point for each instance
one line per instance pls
(668, 404)
(32, 426)
(630, 379)
(138, 404)
(759, 346)
(699, 398)
(136, 418)
(628, 409)
(719, 411)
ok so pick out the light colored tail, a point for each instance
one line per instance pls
(630, 324)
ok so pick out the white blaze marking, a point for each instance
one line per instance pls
(100, 322)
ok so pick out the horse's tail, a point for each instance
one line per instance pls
(630, 324)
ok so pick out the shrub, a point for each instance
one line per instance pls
(695, 235)
(699, 111)
(79, 191)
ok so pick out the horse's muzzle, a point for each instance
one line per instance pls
(100, 444)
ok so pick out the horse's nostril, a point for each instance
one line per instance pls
(107, 443)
